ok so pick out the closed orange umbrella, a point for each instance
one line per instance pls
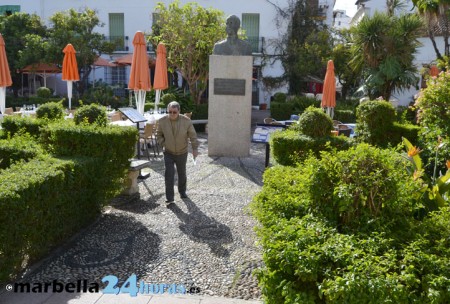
(140, 73)
(329, 90)
(70, 70)
(434, 71)
(5, 75)
(161, 82)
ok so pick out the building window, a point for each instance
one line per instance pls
(117, 30)
(250, 23)
(118, 76)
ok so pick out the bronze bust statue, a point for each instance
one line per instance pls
(233, 45)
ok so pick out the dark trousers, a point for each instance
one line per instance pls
(170, 161)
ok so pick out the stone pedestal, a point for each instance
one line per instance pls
(229, 105)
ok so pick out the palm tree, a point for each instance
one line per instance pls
(436, 16)
(394, 5)
(383, 49)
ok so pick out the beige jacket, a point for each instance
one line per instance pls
(175, 140)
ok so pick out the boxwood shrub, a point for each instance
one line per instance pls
(15, 124)
(50, 111)
(18, 148)
(289, 147)
(282, 110)
(42, 202)
(344, 229)
(90, 114)
(57, 196)
(374, 120)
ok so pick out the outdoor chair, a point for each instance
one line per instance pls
(336, 123)
(271, 121)
(149, 138)
(9, 111)
(116, 116)
(345, 132)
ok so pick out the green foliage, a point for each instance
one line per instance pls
(18, 148)
(13, 125)
(16, 29)
(374, 120)
(91, 114)
(315, 123)
(383, 50)
(301, 103)
(50, 111)
(112, 143)
(434, 117)
(281, 111)
(395, 134)
(344, 229)
(44, 92)
(344, 115)
(57, 196)
(189, 33)
(200, 111)
(289, 147)
(437, 187)
(279, 97)
(105, 95)
(306, 46)
(166, 99)
(77, 27)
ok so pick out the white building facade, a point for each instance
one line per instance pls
(124, 18)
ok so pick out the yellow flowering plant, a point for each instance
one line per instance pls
(438, 188)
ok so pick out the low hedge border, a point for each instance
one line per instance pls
(15, 124)
(43, 199)
(42, 202)
(290, 147)
(18, 148)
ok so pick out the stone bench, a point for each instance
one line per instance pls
(131, 186)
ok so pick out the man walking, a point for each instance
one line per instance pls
(174, 133)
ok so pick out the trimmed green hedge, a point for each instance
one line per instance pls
(282, 110)
(113, 143)
(18, 148)
(15, 124)
(376, 125)
(289, 147)
(57, 196)
(345, 116)
(42, 202)
(345, 229)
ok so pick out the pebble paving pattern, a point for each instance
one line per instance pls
(206, 241)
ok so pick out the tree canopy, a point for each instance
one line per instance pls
(383, 51)
(77, 28)
(189, 33)
(23, 35)
(437, 18)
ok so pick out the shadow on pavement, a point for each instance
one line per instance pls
(201, 228)
(114, 245)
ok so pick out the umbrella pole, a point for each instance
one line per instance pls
(69, 93)
(2, 99)
(157, 99)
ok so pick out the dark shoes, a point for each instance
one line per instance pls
(183, 195)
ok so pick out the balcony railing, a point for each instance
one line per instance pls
(121, 42)
(257, 44)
